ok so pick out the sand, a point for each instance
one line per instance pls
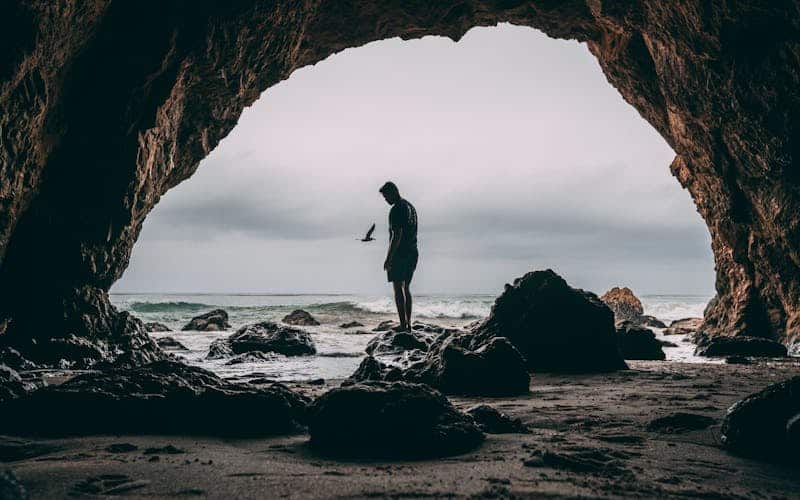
(589, 437)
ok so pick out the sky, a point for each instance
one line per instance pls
(515, 150)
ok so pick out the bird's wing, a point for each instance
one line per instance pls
(371, 230)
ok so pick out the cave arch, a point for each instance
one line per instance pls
(106, 108)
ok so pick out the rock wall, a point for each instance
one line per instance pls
(104, 106)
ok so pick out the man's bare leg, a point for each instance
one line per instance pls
(409, 300)
(400, 302)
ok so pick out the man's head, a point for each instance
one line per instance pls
(390, 193)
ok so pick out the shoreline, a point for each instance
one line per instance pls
(596, 427)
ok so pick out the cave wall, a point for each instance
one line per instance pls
(105, 105)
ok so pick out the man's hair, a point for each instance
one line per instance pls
(389, 188)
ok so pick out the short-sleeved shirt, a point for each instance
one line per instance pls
(404, 216)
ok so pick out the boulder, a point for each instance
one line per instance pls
(684, 326)
(351, 324)
(764, 424)
(154, 326)
(740, 346)
(264, 337)
(164, 397)
(637, 342)
(170, 344)
(250, 357)
(390, 420)
(212, 321)
(623, 303)
(492, 421)
(299, 317)
(557, 328)
(391, 342)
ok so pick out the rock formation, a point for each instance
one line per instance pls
(105, 107)
(740, 346)
(212, 321)
(684, 326)
(638, 342)
(264, 337)
(557, 328)
(387, 420)
(300, 317)
(162, 397)
(623, 303)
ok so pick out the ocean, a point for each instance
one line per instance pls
(339, 353)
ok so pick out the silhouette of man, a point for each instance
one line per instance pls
(401, 259)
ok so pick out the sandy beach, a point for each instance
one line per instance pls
(591, 436)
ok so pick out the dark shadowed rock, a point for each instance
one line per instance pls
(154, 326)
(684, 326)
(740, 346)
(300, 317)
(163, 397)
(351, 324)
(388, 420)
(11, 385)
(557, 328)
(623, 303)
(10, 487)
(170, 344)
(764, 424)
(264, 337)
(212, 321)
(390, 342)
(492, 421)
(250, 357)
(667, 343)
(638, 342)
(680, 422)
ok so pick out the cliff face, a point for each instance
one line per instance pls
(104, 106)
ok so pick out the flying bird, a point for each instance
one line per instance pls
(369, 237)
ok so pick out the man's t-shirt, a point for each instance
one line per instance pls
(404, 216)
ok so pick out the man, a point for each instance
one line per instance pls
(401, 260)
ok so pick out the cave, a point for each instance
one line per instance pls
(105, 107)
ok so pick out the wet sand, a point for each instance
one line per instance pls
(589, 437)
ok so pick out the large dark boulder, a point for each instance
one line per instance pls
(299, 317)
(161, 398)
(390, 420)
(557, 328)
(264, 337)
(637, 342)
(764, 424)
(212, 321)
(740, 346)
(623, 303)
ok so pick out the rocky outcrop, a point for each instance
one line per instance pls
(685, 326)
(623, 303)
(163, 397)
(264, 337)
(390, 420)
(718, 81)
(156, 327)
(740, 346)
(299, 317)
(212, 321)
(637, 342)
(555, 327)
(764, 425)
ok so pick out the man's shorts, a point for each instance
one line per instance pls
(403, 267)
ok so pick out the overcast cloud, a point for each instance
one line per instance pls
(513, 147)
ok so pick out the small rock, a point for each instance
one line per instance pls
(493, 421)
(156, 327)
(170, 344)
(299, 317)
(216, 320)
(352, 324)
(684, 326)
(167, 450)
(264, 337)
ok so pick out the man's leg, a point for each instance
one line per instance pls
(400, 302)
(408, 304)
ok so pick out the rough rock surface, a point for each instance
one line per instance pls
(638, 342)
(156, 327)
(153, 90)
(162, 397)
(492, 421)
(685, 326)
(740, 346)
(264, 337)
(383, 419)
(764, 424)
(212, 321)
(623, 303)
(300, 317)
(390, 342)
(169, 343)
(557, 328)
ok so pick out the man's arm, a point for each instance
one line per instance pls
(397, 235)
